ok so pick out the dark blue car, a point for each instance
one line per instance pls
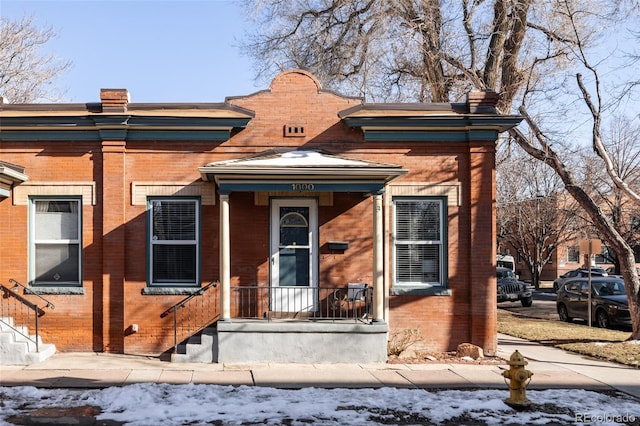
(609, 303)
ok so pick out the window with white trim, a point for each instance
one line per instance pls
(573, 254)
(419, 241)
(174, 225)
(55, 241)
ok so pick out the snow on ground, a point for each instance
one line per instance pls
(165, 404)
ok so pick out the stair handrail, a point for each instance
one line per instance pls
(182, 304)
(27, 290)
(38, 312)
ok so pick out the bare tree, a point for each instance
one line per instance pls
(533, 52)
(26, 73)
(622, 141)
(534, 213)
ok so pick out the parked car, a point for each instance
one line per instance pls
(609, 303)
(578, 273)
(612, 271)
(511, 289)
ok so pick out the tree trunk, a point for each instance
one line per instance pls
(609, 233)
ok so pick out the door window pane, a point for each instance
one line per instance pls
(294, 267)
(294, 226)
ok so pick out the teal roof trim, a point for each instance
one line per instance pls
(179, 135)
(430, 135)
(115, 134)
(36, 135)
(433, 128)
(293, 186)
(119, 127)
(434, 121)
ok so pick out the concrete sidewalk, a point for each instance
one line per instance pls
(552, 368)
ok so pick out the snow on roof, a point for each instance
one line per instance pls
(296, 158)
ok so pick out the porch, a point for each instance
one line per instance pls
(279, 324)
(296, 317)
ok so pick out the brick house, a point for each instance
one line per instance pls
(144, 224)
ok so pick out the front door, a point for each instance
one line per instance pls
(294, 242)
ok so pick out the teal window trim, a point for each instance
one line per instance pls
(408, 284)
(154, 242)
(34, 242)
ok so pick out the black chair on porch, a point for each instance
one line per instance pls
(355, 302)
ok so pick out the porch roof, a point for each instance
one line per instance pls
(10, 175)
(299, 170)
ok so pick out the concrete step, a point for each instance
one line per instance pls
(18, 349)
(6, 321)
(199, 348)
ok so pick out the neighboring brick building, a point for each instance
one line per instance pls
(116, 211)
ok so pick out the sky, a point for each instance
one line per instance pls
(160, 51)
(165, 404)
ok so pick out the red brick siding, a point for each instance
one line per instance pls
(114, 231)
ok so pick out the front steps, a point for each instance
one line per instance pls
(16, 349)
(199, 348)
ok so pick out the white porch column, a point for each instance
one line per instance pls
(378, 260)
(225, 260)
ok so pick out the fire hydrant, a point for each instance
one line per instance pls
(519, 379)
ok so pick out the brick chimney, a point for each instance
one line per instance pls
(114, 100)
(484, 101)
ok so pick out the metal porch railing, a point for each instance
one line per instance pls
(24, 312)
(194, 313)
(349, 303)
(202, 308)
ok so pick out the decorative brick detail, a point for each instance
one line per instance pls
(294, 130)
(141, 190)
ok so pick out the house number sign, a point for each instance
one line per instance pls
(302, 186)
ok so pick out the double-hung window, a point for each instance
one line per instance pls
(174, 225)
(573, 254)
(55, 241)
(419, 241)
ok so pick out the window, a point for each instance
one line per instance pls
(573, 254)
(173, 241)
(419, 239)
(607, 255)
(55, 241)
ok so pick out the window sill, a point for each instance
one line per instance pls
(170, 291)
(420, 291)
(55, 290)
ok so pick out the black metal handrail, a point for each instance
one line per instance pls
(27, 290)
(194, 313)
(20, 309)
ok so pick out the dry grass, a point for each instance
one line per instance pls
(591, 341)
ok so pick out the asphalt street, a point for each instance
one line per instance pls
(544, 305)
